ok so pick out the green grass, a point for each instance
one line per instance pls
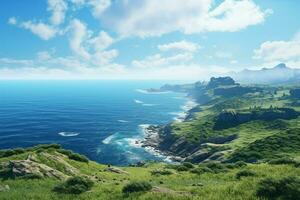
(219, 181)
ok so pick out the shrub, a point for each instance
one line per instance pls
(31, 176)
(74, 156)
(181, 168)
(161, 172)
(217, 167)
(46, 146)
(78, 157)
(282, 161)
(75, 185)
(201, 170)
(141, 186)
(11, 152)
(240, 164)
(245, 173)
(188, 165)
(287, 188)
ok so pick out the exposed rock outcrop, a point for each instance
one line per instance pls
(21, 168)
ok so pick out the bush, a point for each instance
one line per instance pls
(31, 176)
(141, 186)
(161, 172)
(188, 165)
(287, 188)
(45, 146)
(244, 173)
(181, 168)
(75, 185)
(74, 156)
(283, 161)
(11, 152)
(240, 164)
(217, 167)
(201, 170)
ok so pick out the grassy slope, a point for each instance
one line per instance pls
(201, 127)
(222, 185)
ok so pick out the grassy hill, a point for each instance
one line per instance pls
(225, 126)
(245, 145)
(25, 173)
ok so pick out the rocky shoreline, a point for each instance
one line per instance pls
(155, 135)
(153, 140)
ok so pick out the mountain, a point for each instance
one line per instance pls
(276, 75)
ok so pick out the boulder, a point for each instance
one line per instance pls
(21, 168)
(116, 170)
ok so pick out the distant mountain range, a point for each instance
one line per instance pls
(276, 75)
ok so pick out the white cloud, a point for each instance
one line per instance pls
(40, 29)
(79, 34)
(92, 49)
(179, 46)
(99, 6)
(278, 50)
(158, 61)
(158, 17)
(12, 21)
(58, 9)
(44, 30)
(43, 55)
(102, 41)
(66, 68)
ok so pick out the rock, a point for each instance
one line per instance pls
(116, 170)
(19, 168)
(221, 81)
(4, 188)
(198, 156)
(69, 169)
(168, 191)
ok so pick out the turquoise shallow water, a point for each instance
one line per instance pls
(99, 119)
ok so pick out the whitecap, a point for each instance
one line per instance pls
(109, 139)
(138, 101)
(68, 134)
(123, 121)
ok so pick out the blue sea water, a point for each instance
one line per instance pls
(100, 119)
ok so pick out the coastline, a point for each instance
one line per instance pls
(151, 133)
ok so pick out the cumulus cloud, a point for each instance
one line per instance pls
(179, 46)
(58, 9)
(99, 6)
(284, 51)
(157, 17)
(102, 41)
(278, 50)
(92, 49)
(12, 21)
(40, 29)
(79, 34)
(46, 31)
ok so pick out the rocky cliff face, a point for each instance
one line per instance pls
(221, 81)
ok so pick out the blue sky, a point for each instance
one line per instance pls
(145, 39)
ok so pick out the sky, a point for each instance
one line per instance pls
(145, 39)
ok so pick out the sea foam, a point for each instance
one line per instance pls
(68, 134)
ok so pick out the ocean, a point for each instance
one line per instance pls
(100, 119)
